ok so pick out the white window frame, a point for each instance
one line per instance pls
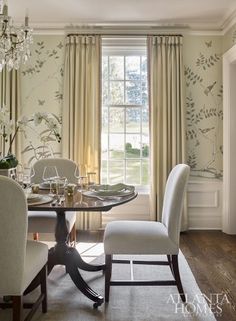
(128, 46)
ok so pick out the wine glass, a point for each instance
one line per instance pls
(77, 173)
(50, 176)
(50, 173)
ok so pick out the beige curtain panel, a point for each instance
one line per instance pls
(82, 110)
(10, 97)
(167, 115)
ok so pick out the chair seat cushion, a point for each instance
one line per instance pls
(45, 222)
(138, 237)
(36, 257)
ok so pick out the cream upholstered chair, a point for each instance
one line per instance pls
(45, 222)
(21, 260)
(150, 238)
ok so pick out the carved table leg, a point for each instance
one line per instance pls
(69, 256)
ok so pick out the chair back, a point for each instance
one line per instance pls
(173, 200)
(65, 167)
(13, 236)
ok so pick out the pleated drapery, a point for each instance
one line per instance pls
(10, 98)
(167, 115)
(81, 133)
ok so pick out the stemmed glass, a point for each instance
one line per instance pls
(81, 181)
(28, 174)
(50, 176)
(50, 173)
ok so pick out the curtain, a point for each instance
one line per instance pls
(10, 97)
(81, 110)
(167, 115)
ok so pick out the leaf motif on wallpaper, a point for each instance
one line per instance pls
(209, 88)
(220, 114)
(208, 43)
(209, 112)
(191, 134)
(60, 45)
(61, 72)
(206, 130)
(191, 77)
(192, 160)
(205, 62)
(221, 149)
(58, 95)
(220, 93)
(28, 71)
(42, 58)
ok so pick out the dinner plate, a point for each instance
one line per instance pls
(111, 190)
(42, 200)
(33, 197)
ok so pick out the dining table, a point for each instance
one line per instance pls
(65, 254)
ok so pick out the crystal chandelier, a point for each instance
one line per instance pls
(14, 41)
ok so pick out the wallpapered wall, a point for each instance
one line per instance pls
(42, 80)
(41, 85)
(203, 79)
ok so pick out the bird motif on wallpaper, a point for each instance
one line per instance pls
(41, 102)
(209, 88)
(208, 43)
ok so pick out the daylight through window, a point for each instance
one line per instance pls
(125, 116)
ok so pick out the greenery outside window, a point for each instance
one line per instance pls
(125, 115)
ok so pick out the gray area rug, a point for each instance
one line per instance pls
(66, 303)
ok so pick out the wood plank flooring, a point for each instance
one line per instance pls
(212, 258)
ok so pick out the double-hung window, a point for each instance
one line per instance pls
(125, 112)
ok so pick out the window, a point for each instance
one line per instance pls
(125, 115)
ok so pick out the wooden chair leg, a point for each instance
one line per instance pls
(108, 262)
(72, 236)
(17, 306)
(170, 263)
(36, 236)
(175, 266)
(43, 285)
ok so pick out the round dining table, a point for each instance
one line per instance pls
(64, 254)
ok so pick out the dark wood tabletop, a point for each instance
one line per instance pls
(80, 202)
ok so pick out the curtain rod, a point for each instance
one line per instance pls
(123, 35)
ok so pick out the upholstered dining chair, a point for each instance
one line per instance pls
(45, 222)
(150, 238)
(21, 260)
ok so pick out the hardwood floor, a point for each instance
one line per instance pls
(212, 258)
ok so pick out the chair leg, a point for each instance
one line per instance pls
(17, 305)
(175, 267)
(108, 262)
(36, 236)
(72, 236)
(43, 285)
(170, 263)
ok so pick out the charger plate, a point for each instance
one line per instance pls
(110, 190)
(43, 199)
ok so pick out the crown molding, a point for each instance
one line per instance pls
(229, 22)
(125, 28)
(137, 28)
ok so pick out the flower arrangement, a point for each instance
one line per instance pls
(9, 130)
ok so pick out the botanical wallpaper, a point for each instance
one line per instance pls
(42, 80)
(41, 84)
(203, 79)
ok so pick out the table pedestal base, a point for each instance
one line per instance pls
(64, 255)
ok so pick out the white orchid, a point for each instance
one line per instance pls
(9, 129)
(38, 117)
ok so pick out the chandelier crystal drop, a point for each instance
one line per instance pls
(14, 41)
